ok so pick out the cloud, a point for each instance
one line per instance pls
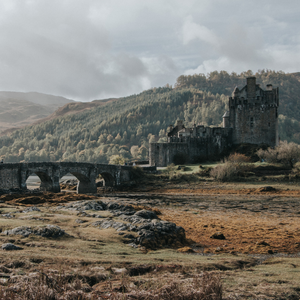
(242, 48)
(192, 31)
(90, 49)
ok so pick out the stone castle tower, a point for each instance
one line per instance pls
(252, 119)
(253, 114)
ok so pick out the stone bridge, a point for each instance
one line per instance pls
(14, 175)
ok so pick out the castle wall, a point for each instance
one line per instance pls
(255, 124)
(9, 176)
(252, 118)
(162, 154)
(193, 149)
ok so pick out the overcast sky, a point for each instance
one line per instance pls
(95, 49)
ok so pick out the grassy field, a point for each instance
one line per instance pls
(258, 259)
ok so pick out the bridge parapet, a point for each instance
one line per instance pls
(14, 175)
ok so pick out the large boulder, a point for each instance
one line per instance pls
(9, 247)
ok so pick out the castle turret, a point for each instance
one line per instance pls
(251, 88)
(253, 114)
(226, 123)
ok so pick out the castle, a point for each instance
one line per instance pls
(252, 118)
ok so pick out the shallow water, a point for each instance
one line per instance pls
(33, 181)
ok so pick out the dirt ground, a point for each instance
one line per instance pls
(248, 234)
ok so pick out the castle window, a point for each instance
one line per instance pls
(251, 122)
(269, 124)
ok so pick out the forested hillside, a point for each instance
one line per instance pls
(125, 127)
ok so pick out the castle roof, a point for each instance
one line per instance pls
(226, 115)
(235, 91)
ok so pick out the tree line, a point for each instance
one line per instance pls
(121, 131)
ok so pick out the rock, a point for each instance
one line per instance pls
(44, 231)
(219, 249)
(129, 236)
(146, 214)
(86, 205)
(8, 216)
(119, 270)
(30, 209)
(151, 234)
(263, 243)
(9, 247)
(48, 231)
(267, 189)
(22, 230)
(120, 209)
(218, 236)
(79, 221)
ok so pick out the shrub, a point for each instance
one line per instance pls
(225, 172)
(171, 171)
(296, 169)
(137, 173)
(269, 155)
(285, 153)
(235, 166)
(238, 158)
(117, 160)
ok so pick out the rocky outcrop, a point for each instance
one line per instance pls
(48, 231)
(9, 247)
(137, 228)
(146, 228)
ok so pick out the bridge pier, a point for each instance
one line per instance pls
(86, 187)
(15, 175)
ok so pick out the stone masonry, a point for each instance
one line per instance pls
(14, 175)
(252, 118)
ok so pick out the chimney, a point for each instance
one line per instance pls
(251, 87)
(269, 87)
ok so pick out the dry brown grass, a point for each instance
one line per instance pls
(83, 263)
(52, 286)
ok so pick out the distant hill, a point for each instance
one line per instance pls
(123, 127)
(19, 109)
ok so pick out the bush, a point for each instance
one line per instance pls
(235, 166)
(296, 169)
(171, 171)
(269, 155)
(238, 158)
(137, 173)
(116, 160)
(225, 172)
(285, 153)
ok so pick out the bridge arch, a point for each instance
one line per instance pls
(83, 184)
(46, 180)
(108, 179)
(15, 175)
(84, 172)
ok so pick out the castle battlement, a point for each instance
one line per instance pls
(252, 118)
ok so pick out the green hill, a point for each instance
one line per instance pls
(125, 126)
